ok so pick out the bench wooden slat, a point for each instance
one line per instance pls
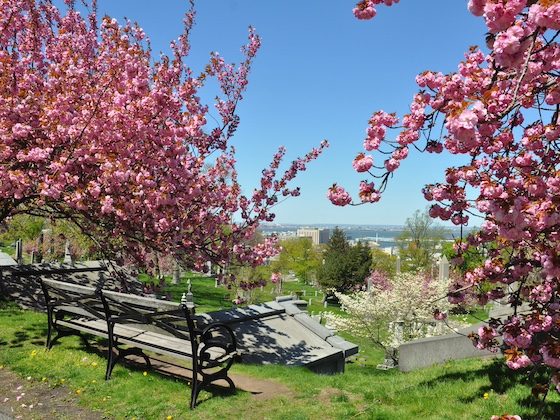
(69, 287)
(147, 340)
(151, 303)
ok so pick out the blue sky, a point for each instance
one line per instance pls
(319, 75)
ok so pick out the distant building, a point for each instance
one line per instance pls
(318, 236)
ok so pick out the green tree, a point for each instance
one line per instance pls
(344, 266)
(300, 256)
(470, 259)
(22, 226)
(29, 228)
(360, 262)
(419, 241)
(383, 262)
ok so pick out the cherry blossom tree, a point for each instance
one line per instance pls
(94, 129)
(406, 298)
(500, 110)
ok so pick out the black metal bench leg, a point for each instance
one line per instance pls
(49, 327)
(110, 363)
(62, 333)
(110, 352)
(231, 384)
(195, 390)
(121, 354)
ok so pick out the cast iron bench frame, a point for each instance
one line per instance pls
(158, 326)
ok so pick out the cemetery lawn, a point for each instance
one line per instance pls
(454, 390)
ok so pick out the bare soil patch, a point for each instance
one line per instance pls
(23, 399)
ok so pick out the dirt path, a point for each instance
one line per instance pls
(261, 389)
(23, 399)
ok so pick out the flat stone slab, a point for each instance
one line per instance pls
(280, 333)
(6, 260)
(429, 351)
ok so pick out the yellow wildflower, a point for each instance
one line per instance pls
(486, 395)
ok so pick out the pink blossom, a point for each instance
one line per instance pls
(338, 196)
(275, 277)
(364, 10)
(368, 193)
(362, 163)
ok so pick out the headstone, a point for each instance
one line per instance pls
(209, 272)
(51, 243)
(176, 273)
(315, 293)
(398, 269)
(39, 254)
(369, 284)
(309, 301)
(19, 252)
(325, 304)
(67, 255)
(189, 292)
(390, 360)
(443, 270)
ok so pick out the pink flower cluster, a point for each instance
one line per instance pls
(365, 9)
(275, 278)
(498, 110)
(362, 163)
(339, 196)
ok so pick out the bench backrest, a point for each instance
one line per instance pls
(73, 298)
(156, 315)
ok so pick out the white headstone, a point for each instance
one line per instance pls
(176, 274)
(67, 255)
(443, 275)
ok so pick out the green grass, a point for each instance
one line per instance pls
(451, 391)
(208, 298)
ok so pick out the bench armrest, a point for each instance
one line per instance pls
(207, 338)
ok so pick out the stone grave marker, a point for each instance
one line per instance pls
(67, 255)
(443, 274)
(19, 252)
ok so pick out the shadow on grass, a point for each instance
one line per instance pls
(501, 381)
(170, 371)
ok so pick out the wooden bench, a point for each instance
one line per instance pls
(140, 323)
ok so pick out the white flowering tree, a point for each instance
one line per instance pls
(394, 310)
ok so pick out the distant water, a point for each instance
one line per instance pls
(385, 236)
